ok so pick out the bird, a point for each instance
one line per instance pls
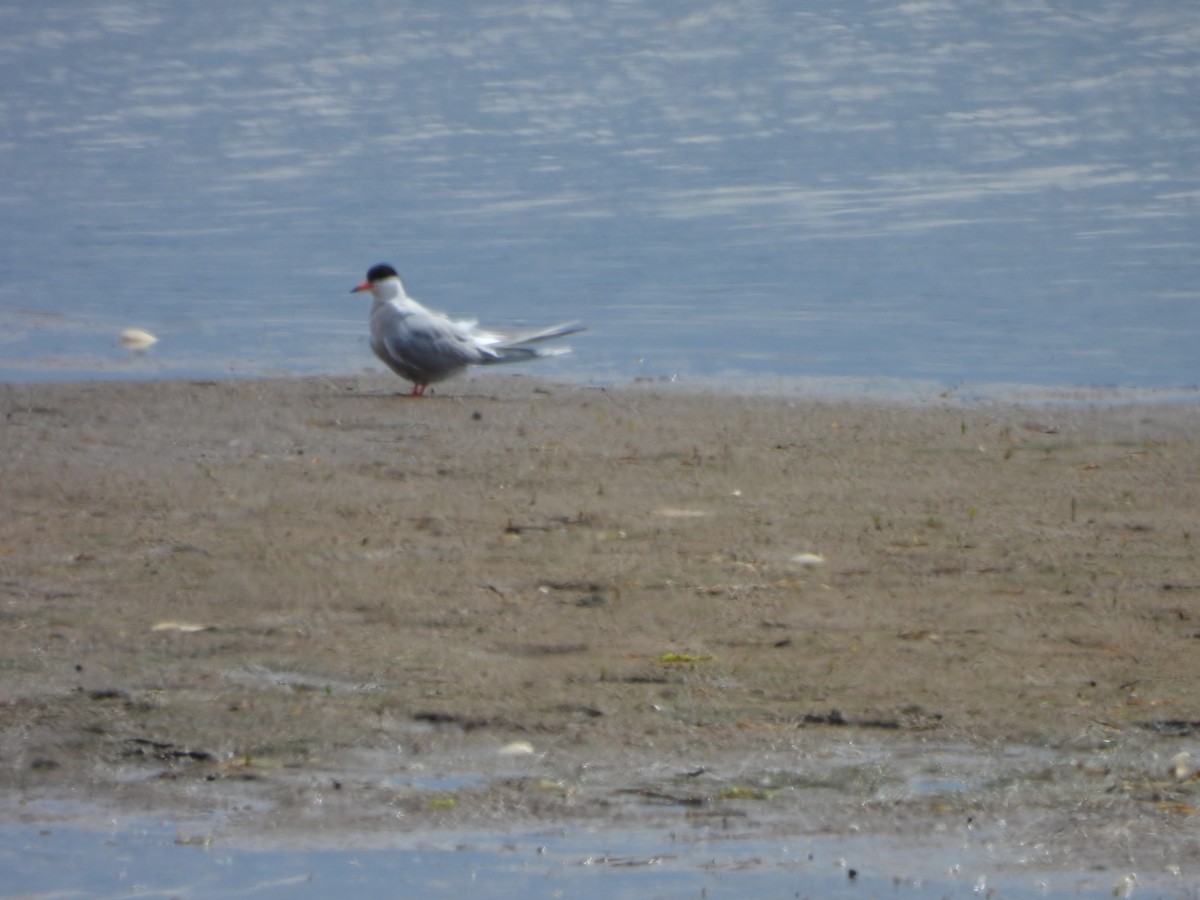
(423, 346)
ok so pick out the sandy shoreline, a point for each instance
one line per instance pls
(258, 584)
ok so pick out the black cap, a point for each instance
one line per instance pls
(380, 272)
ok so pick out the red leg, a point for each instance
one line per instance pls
(419, 388)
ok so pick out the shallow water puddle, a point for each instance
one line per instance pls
(159, 858)
(855, 819)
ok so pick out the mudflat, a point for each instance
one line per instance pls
(239, 596)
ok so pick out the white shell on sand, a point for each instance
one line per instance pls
(517, 748)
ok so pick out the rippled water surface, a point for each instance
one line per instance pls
(926, 191)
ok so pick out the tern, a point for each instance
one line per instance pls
(423, 346)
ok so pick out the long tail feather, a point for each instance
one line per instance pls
(522, 354)
(515, 341)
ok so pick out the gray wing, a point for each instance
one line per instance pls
(433, 346)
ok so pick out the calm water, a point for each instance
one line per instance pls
(955, 193)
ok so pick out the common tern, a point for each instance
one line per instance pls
(423, 346)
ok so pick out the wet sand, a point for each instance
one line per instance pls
(316, 604)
